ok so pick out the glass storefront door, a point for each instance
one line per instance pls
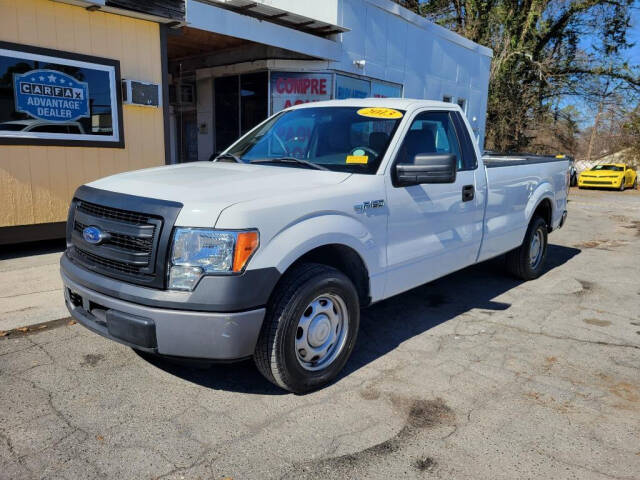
(241, 102)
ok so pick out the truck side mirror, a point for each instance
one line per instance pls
(427, 168)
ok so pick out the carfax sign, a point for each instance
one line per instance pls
(51, 95)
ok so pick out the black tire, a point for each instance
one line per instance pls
(635, 184)
(621, 189)
(275, 354)
(519, 260)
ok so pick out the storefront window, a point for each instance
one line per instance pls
(385, 90)
(50, 97)
(350, 87)
(289, 89)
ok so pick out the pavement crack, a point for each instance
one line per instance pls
(572, 339)
(581, 467)
(30, 293)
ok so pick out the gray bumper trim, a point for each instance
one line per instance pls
(218, 293)
(182, 333)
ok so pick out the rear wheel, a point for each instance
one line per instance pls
(527, 261)
(635, 183)
(310, 328)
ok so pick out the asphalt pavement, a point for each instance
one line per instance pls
(474, 376)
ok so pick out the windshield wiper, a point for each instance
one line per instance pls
(229, 155)
(290, 160)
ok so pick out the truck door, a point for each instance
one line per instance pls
(434, 229)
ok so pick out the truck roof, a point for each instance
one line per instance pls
(398, 103)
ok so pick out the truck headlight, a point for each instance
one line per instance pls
(202, 251)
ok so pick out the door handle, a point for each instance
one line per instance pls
(468, 192)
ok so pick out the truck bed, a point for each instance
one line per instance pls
(515, 182)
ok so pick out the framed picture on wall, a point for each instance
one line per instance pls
(49, 97)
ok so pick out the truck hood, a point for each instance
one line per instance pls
(602, 174)
(207, 188)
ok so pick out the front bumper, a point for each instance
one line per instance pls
(595, 182)
(174, 332)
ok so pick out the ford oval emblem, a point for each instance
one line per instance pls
(93, 235)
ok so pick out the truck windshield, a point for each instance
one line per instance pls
(347, 139)
(615, 168)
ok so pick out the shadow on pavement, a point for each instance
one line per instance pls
(32, 248)
(384, 325)
(391, 322)
(242, 377)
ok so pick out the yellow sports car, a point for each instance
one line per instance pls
(613, 175)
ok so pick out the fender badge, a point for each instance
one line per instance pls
(364, 206)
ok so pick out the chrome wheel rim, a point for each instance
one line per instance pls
(322, 332)
(536, 248)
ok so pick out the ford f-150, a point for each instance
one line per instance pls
(271, 250)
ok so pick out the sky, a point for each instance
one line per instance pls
(632, 55)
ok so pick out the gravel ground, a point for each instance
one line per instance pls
(473, 376)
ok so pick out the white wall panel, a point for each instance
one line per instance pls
(323, 10)
(376, 36)
(396, 42)
(396, 45)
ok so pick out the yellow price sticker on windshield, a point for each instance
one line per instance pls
(357, 159)
(379, 112)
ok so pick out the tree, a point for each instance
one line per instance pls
(556, 132)
(537, 55)
(631, 129)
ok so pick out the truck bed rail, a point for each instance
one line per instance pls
(494, 160)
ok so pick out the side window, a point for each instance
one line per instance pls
(430, 133)
(469, 159)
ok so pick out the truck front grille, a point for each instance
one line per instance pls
(112, 265)
(127, 242)
(134, 235)
(112, 213)
(129, 247)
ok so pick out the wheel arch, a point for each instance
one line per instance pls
(541, 203)
(331, 239)
(343, 258)
(544, 209)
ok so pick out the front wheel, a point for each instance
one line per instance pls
(310, 328)
(527, 261)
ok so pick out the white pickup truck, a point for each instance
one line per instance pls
(271, 250)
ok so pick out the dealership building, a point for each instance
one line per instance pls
(93, 88)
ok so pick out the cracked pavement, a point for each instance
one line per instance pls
(474, 376)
